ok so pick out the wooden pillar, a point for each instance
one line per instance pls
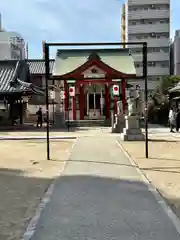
(107, 101)
(115, 104)
(81, 101)
(74, 106)
(66, 90)
(123, 86)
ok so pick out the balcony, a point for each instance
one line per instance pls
(142, 2)
(152, 57)
(148, 14)
(148, 28)
(153, 71)
(152, 42)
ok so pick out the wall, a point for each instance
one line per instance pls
(177, 54)
(32, 109)
(5, 52)
(37, 100)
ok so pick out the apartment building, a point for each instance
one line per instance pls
(150, 21)
(176, 53)
(12, 45)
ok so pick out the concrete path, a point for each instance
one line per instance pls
(101, 196)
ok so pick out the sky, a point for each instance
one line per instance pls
(67, 21)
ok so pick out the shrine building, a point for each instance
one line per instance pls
(92, 74)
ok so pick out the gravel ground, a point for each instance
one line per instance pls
(162, 168)
(25, 175)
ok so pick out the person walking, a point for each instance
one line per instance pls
(178, 120)
(172, 119)
(39, 118)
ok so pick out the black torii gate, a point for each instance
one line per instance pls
(144, 76)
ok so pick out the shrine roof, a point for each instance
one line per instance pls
(14, 78)
(37, 66)
(69, 60)
(9, 71)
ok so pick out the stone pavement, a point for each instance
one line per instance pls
(153, 130)
(81, 131)
(101, 196)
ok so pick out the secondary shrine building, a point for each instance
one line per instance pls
(91, 75)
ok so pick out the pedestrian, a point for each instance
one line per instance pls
(172, 119)
(39, 118)
(177, 120)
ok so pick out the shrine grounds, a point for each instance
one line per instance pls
(25, 174)
(162, 168)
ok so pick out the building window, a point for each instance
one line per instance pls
(151, 64)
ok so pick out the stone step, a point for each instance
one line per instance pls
(88, 123)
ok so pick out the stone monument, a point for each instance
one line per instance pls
(132, 130)
(59, 118)
(118, 123)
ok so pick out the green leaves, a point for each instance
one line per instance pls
(168, 82)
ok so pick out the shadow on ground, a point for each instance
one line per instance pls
(92, 207)
(81, 206)
(164, 140)
(19, 198)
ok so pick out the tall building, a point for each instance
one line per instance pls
(176, 53)
(149, 21)
(12, 45)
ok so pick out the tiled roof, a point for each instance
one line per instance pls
(14, 77)
(37, 66)
(8, 73)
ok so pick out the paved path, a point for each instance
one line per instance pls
(101, 196)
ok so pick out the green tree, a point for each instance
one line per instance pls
(167, 82)
(159, 95)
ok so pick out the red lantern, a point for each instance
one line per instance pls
(115, 90)
(71, 91)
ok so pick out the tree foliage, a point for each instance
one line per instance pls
(168, 82)
(158, 110)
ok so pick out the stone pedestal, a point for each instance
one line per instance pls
(118, 124)
(59, 121)
(59, 118)
(132, 130)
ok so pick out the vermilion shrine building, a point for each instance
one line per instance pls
(93, 74)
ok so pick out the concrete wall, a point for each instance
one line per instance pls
(32, 109)
(177, 54)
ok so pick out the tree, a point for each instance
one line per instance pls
(167, 82)
(159, 95)
(160, 105)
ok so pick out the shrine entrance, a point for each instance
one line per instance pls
(92, 73)
(114, 63)
(94, 100)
